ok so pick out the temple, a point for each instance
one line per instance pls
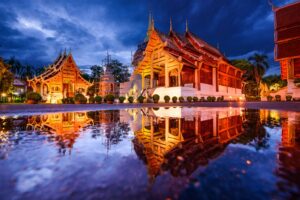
(287, 45)
(176, 64)
(61, 79)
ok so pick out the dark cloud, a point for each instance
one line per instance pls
(36, 30)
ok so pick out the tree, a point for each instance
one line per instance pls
(15, 66)
(120, 71)
(6, 77)
(96, 73)
(260, 63)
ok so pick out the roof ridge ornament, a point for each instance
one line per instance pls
(270, 2)
(186, 26)
(171, 25)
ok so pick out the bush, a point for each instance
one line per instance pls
(34, 96)
(110, 98)
(202, 99)
(213, 99)
(167, 99)
(91, 99)
(220, 98)
(80, 98)
(130, 99)
(181, 99)
(98, 99)
(121, 99)
(155, 98)
(189, 99)
(288, 98)
(141, 99)
(195, 99)
(269, 98)
(174, 99)
(278, 97)
(209, 99)
(68, 100)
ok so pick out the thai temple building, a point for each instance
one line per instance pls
(287, 45)
(61, 79)
(107, 84)
(181, 65)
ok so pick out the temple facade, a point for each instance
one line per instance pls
(61, 79)
(176, 64)
(287, 45)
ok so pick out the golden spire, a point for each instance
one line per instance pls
(171, 25)
(186, 26)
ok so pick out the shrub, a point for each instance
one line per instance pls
(130, 99)
(34, 96)
(174, 99)
(98, 99)
(202, 99)
(181, 99)
(155, 98)
(141, 99)
(195, 99)
(269, 98)
(209, 99)
(189, 99)
(167, 99)
(110, 98)
(91, 99)
(121, 99)
(213, 99)
(288, 98)
(80, 98)
(68, 100)
(258, 98)
(278, 97)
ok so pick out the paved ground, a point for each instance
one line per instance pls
(26, 109)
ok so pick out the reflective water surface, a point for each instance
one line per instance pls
(159, 153)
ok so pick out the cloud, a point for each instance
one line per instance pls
(35, 31)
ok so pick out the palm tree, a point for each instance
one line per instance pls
(260, 66)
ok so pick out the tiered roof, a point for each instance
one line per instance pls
(189, 47)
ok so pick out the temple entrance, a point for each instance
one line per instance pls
(66, 90)
(173, 78)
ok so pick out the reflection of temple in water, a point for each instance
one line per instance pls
(64, 126)
(181, 144)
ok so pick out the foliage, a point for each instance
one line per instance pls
(119, 71)
(98, 99)
(251, 89)
(68, 100)
(195, 99)
(34, 96)
(269, 98)
(110, 97)
(80, 98)
(167, 98)
(130, 99)
(155, 98)
(213, 99)
(260, 63)
(181, 99)
(277, 97)
(220, 98)
(189, 99)
(141, 99)
(174, 99)
(273, 80)
(96, 73)
(86, 76)
(288, 98)
(209, 99)
(6, 77)
(121, 99)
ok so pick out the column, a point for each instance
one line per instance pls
(290, 77)
(215, 124)
(197, 79)
(143, 81)
(167, 127)
(214, 80)
(166, 76)
(179, 77)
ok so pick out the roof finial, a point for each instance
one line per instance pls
(152, 23)
(186, 26)
(270, 2)
(171, 25)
